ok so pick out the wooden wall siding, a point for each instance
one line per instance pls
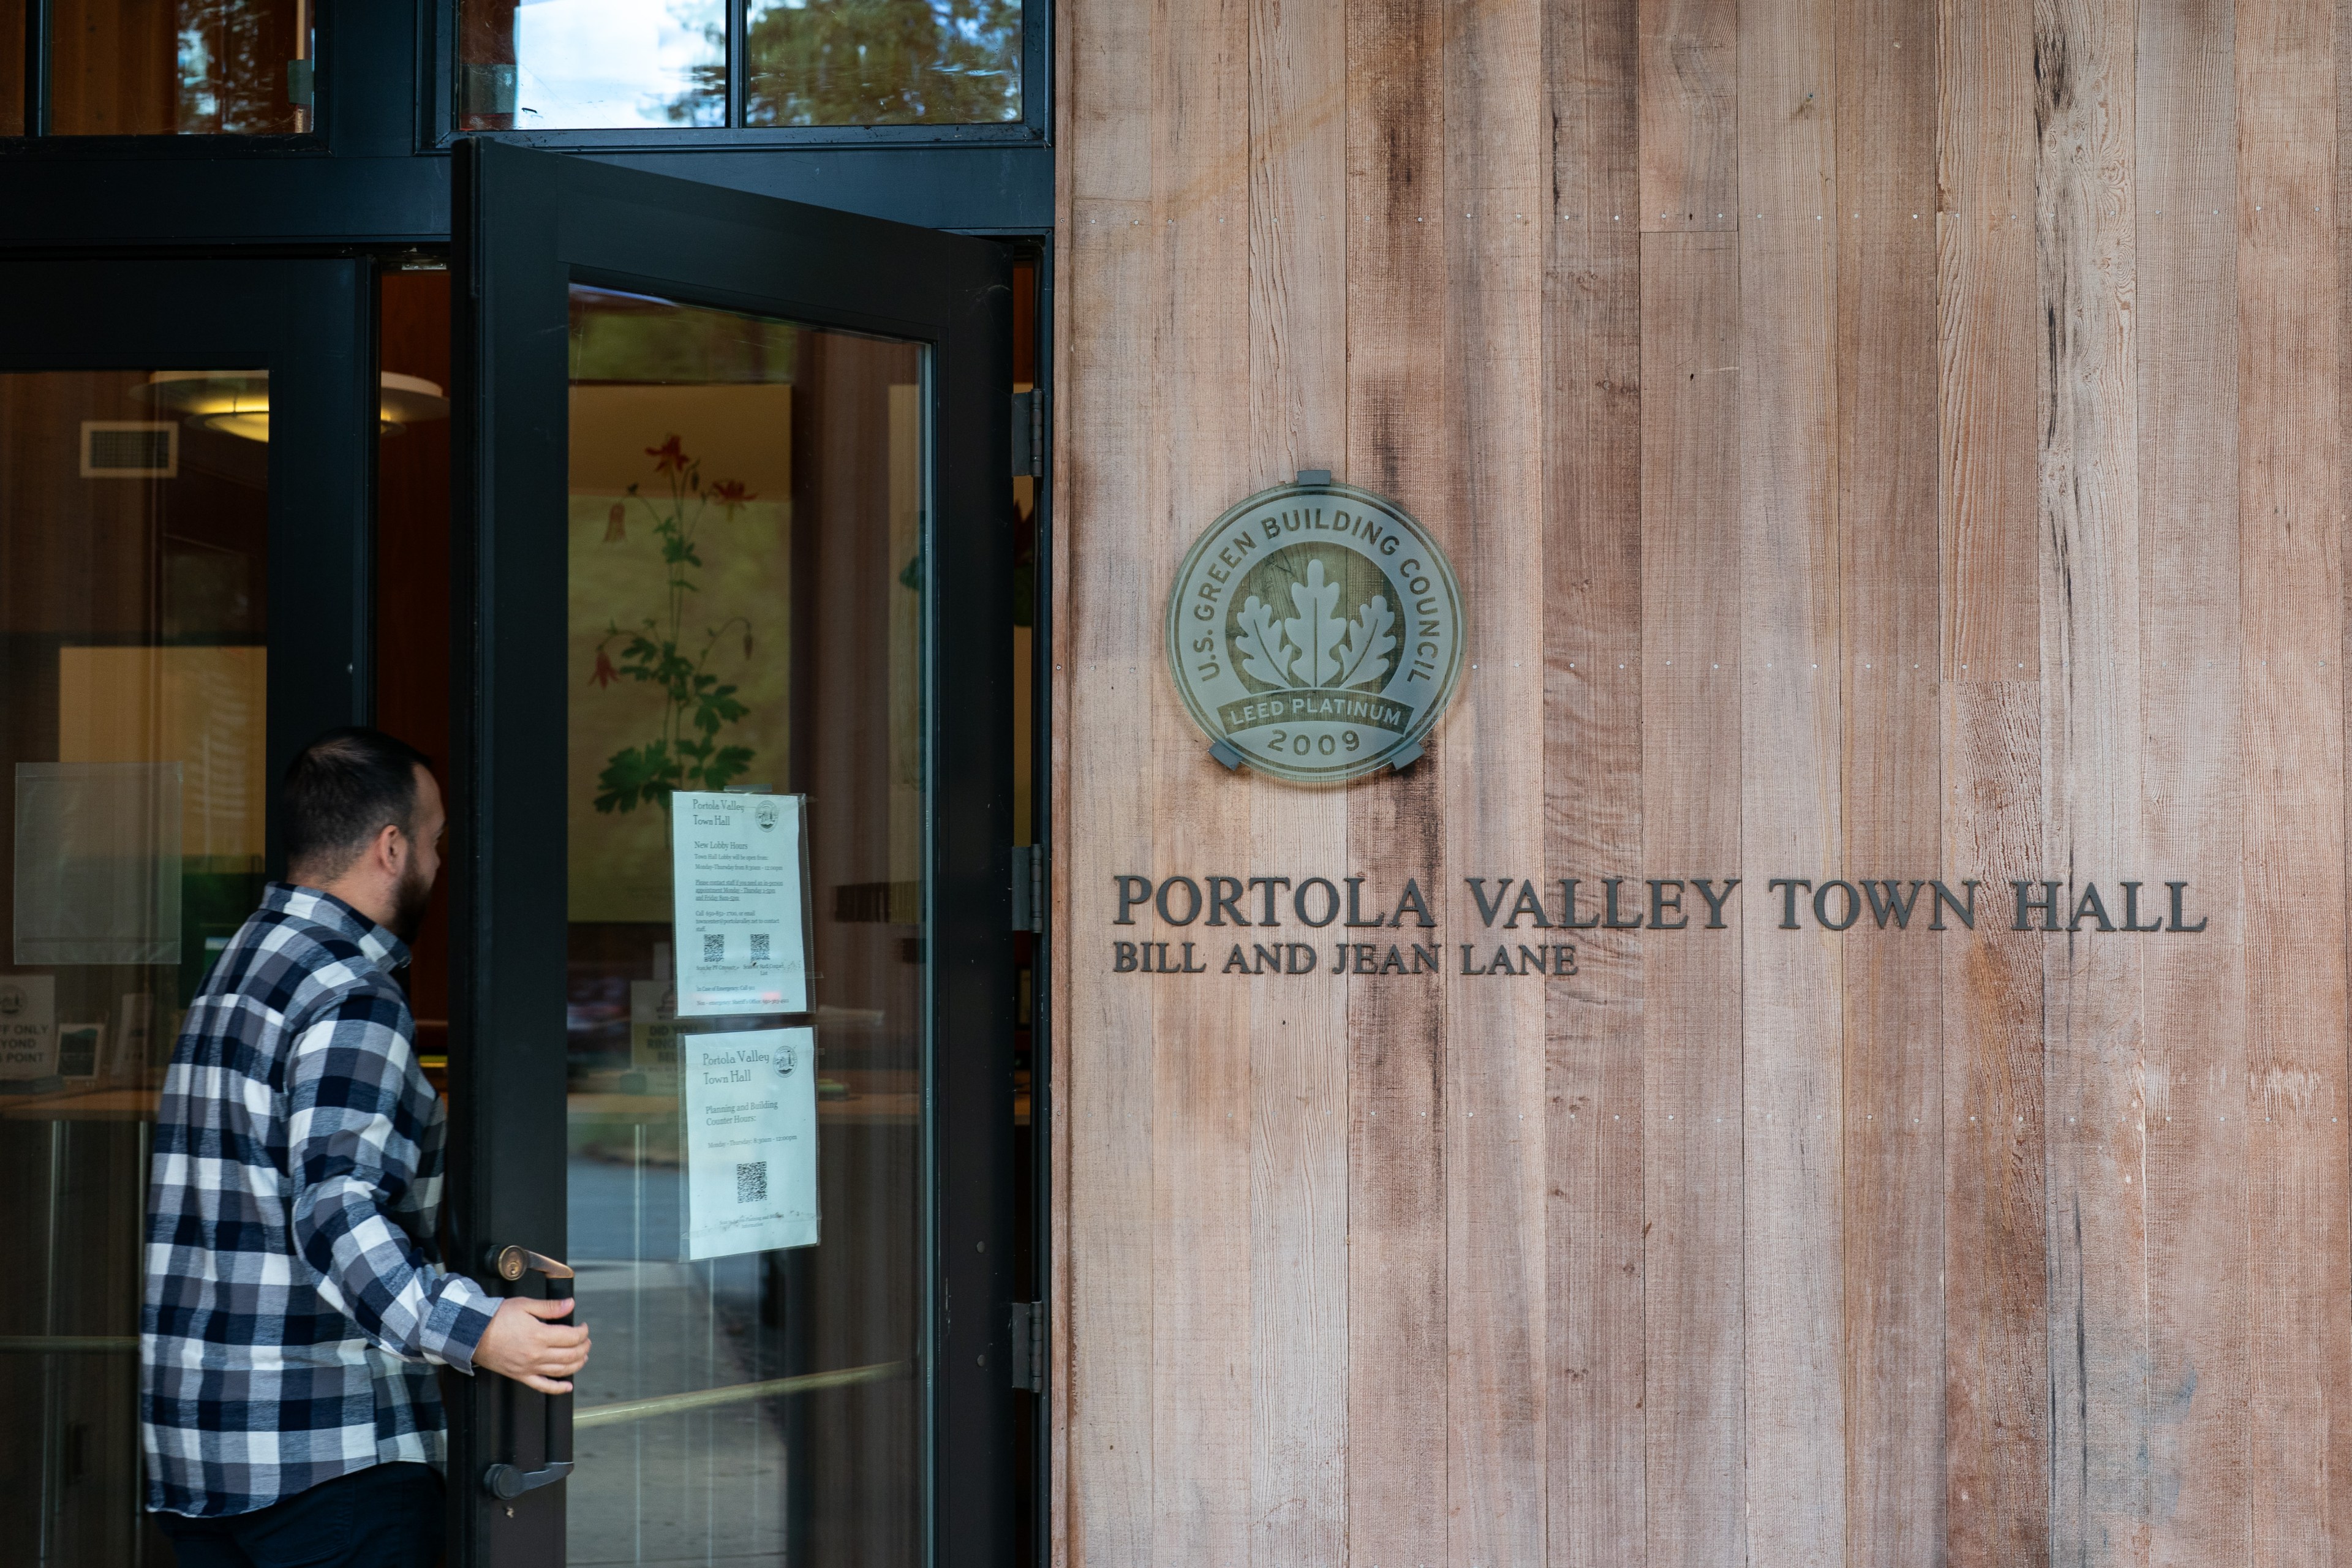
(1876, 440)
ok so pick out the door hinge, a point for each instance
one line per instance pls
(1029, 432)
(1028, 887)
(1029, 1346)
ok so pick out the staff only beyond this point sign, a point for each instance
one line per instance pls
(1315, 632)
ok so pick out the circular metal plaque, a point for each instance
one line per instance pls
(1315, 631)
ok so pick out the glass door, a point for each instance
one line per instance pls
(731, 1040)
(183, 604)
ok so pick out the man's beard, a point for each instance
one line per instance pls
(410, 901)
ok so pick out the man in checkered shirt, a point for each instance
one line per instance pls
(295, 1307)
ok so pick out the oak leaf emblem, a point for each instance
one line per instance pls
(1314, 647)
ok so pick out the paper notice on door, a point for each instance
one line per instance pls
(750, 1141)
(738, 879)
(28, 1027)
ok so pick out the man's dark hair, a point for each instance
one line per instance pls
(345, 785)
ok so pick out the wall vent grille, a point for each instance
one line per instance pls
(130, 449)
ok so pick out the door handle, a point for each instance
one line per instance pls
(512, 1263)
(507, 1481)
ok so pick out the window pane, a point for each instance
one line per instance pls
(133, 67)
(134, 540)
(746, 593)
(540, 65)
(884, 62)
(411, 599)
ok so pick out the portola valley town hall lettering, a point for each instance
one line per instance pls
(1172, 916)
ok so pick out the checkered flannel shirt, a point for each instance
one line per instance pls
(295, 1309)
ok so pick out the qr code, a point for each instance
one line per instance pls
(759, 947)
(714, 947)
(751, 1182)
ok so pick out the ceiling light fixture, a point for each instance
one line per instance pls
(237, 401)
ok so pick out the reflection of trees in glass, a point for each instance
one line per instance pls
(880, 62)
(232, 66)
(626, 337)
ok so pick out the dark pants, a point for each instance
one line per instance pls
(386, 1516)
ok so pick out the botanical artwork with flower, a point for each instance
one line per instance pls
(690, 752)
(679, 623)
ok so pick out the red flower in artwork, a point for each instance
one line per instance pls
(603, 673)
(730, 494)
(669, 456)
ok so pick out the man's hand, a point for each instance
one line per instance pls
(523, 1344)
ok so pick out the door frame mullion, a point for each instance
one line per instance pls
(508, 568)
(529, 224)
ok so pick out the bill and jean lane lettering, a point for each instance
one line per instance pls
(1523, 906)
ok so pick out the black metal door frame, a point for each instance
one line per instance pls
(376, 172)
(311, 325)
(528, 225)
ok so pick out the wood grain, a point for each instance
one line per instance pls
(1890, 653)
(1997, 1341)
(1110, 288)
(1593, 564)
(1989, 334)
(2192, 762)
(1996, 1310)
(1791, 787)
(1397, 439)
(1492, 762)
(2003, 542)
(1688, 101)
(1996, 1306)
(1692, 1182)
(2291, 543)
(1298, 1073)
(2341, 213)
(2100, 1494)
(1204, 1436)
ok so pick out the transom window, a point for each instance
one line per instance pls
(530, 65)
(159, 68)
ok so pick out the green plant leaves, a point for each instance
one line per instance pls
(636, 775)
(879, 62)
(715, 705)
(697, 704)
